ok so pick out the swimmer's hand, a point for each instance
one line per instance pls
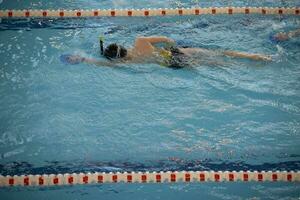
(286, 36)
(266, 58)
(281, 37)
(71, 59)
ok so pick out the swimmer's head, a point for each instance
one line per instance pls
(115, 51)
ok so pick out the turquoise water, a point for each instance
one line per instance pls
(238, 115)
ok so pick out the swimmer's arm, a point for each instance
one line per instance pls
(99, 63)
(247, 55)
(156, 39)
(294, 33)
(285, 36)
(198, 51)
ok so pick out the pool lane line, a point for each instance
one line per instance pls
(146, 12)
(149, 177)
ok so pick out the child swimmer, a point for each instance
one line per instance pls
(145, 51)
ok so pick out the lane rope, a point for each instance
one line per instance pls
(149, 177)
(61, 13)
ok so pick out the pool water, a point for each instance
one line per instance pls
(238, 115)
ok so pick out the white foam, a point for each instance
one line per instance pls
(118, 3)
(13, 152)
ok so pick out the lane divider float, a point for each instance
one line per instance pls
(61, 13)
(149, 177)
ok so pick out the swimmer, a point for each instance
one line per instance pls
(145, 50)
(284, 36)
